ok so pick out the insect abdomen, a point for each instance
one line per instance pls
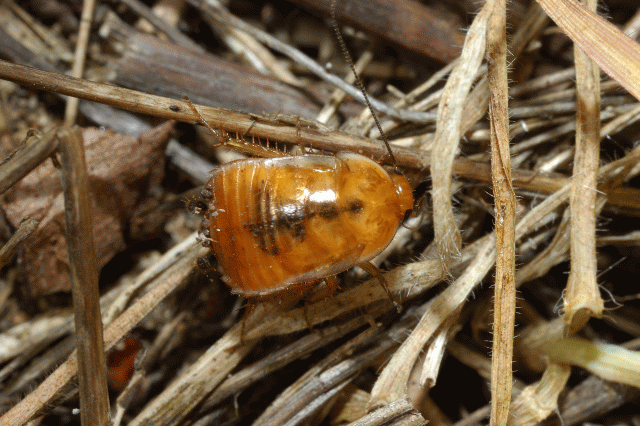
(276, 222)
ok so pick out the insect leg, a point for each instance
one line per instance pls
(372, 270)
(305, 313)
(203, 121)
(248, 310)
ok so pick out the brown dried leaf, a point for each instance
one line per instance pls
(121, 170)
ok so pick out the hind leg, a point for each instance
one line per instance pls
(332, 286)
(372, 270)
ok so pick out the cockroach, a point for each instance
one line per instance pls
(279, 224)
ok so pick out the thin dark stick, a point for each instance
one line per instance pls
(92, 369)
(27, 226)
(27, 159)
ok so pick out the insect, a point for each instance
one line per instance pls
(277, 222)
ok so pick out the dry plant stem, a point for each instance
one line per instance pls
(625, 199)
(143, 363)
(86, 18)
(57, 382)
(334, 370)
(27, 226)
(173, 34)
(406, 281)
(538, 400)
(471, 358)
(632, 26)
(153, 65)
(252, 48)
(410, 19)
(400, 412)
(298, 349)
(582, 298)
(411, 97)
(594, 398)
(27, 158)
(534, 23)
(22, 338)
(334, 384)
(158, 106)
(55, 45)
(392, 383)
(543, 262)
(92, 368)
(302, 398)
(616, 53)
(610, 175)
(435, 353)
(504, 304)
(253, 52)
(555, 252)
(542, 82)
(216, 12)
(29, 345)
(169, 258)
(338, 95)
(189, 162)
(448, 128)
(188, 390)
(39, 366)
(476, 418)
(609, 362)
(477, 101)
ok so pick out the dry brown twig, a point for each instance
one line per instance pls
(582, 298)
(504, 198)
(94, 399)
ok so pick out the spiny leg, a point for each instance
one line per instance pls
(333, 284)
(373, 270)
(249, 307)
(204, 122)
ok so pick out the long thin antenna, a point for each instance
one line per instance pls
(347, 57)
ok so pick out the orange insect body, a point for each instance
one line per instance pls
(278, 222)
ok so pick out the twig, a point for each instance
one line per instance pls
(27, 158)
(447, 137)
(80, 56)
(165, 280)
(625, 199)
(504, 303)
(92, 368)
(582, 296)
(215, 11)
(174, 35)
(27, 226)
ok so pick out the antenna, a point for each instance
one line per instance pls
(347, 57)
